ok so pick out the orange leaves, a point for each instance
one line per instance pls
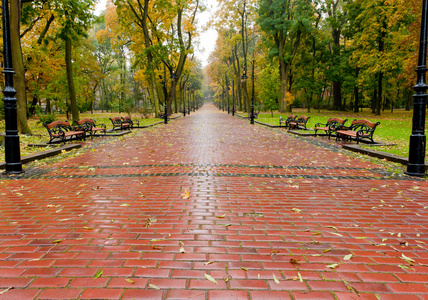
(186, 194)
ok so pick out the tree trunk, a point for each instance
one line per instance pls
(236, 68)
(154, 92)
(122, 80)
(32, 109)
(175, 103)
(337, 83)
(18, 66)
(356, 91)
(70, 81)
(285, 69)
(337, 95)
(149, 55)
(409, 101)
(380, 77)
(244, 37)
(48, 106)
(379, 97)
(374, 101)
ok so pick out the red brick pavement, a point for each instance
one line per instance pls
(269, 216)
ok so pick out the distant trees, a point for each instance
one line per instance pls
(35, 26)
(334, 54)
(68, 59)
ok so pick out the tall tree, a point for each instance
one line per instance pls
(74, 18)
(377, 47)
(284, 22)
(336, 20)
(18, 65)
(163, 34)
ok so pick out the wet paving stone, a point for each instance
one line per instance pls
(264, 213)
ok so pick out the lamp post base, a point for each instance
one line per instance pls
(416, 170)
(13, 172)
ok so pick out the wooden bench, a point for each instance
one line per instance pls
(299, 123)
(359, 130)
(63, 131)
(287, 121)
(127, 119)
(330, 126)
(256, 115)
(118, 123)
(162, 116)
(91, 127)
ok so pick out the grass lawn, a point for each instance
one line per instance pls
(394, 128)
(40, 134)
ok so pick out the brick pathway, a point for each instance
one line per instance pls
(268, 216)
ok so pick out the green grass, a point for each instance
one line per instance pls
(395, 128)
(41, 136)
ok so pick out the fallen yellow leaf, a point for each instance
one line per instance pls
(154, 286)
(333, 266)
(208, 277)
(275, 279)
(347, 257)
(5, 290)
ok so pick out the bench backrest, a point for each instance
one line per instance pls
(83, 121)
(303, 119)
(57, 124)
(336, 121)
(116, 120)
(364, 122)
(127, 118)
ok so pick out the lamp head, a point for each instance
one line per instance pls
(173, 76)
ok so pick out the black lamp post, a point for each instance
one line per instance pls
(228, 101)
(184, 103)
(244, 77)
(233, 98)
(173, 77)
(194, 101)
(416, 165)
(165, 116)
(188, 100)
(222, 101)
(252, 96)
(12, 150)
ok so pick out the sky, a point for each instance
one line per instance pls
(206, 39)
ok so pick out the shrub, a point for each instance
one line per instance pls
(46, 118)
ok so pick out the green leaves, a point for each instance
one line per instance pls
(74, 16)
(98, 274)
